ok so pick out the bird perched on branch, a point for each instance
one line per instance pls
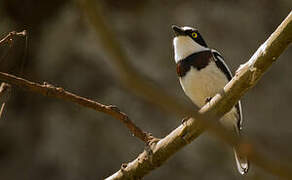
(202, 74)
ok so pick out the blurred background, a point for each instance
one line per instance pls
(49, 139)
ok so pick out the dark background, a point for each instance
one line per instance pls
(49, 139)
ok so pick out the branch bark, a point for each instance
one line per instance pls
(245, 78)
(58, 92)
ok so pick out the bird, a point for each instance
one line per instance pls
(203, 73)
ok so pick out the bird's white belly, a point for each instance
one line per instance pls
(199, 85)
(207, 82)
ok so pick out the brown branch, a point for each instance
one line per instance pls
(58, 92)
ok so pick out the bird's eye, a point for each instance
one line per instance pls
(194, 35)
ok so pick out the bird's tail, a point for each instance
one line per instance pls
(241, 162)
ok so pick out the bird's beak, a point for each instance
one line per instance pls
(177, 30)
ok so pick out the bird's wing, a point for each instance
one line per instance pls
(219, 60)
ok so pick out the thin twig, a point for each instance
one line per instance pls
(6, 88)
(2, 109)
(58, 92)
(4, 96)
(9, 37)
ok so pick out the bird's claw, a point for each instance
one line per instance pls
(185, 119)
(208, 99)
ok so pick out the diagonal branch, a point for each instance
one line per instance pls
(245, 78)
(58, 92)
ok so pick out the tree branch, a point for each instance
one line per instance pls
(58, 92)
(245, 78)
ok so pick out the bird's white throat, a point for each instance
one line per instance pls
(185, 46)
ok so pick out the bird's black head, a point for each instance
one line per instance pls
(191, 32)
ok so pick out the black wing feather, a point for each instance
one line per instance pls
(219, 60)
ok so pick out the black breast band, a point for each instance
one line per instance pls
(197, 60)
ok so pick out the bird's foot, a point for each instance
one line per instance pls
(208, 99)
(185, 119)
